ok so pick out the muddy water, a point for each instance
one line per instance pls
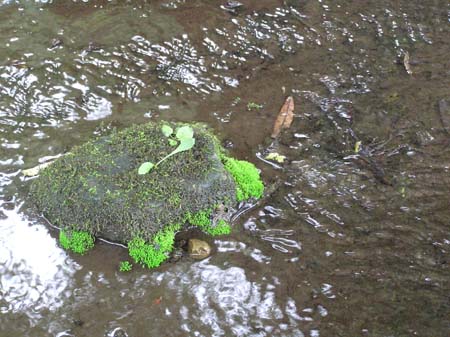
(349, 244)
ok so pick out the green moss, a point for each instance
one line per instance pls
(246, 176)
(154, 253)
(202, 219)
(175, 200)
(222, 228)
(76, 241)
(125, 266)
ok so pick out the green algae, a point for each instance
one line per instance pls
(77, 241)
(246, 176)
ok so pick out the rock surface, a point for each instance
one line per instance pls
(96, 188)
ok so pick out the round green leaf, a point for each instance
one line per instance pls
(186, 144)
(145, 167)
(166, 130)
(185, 132)
(172, 142)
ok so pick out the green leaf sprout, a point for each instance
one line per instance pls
(145, 167)
(185, 132)
(185, 135)
(167, 130)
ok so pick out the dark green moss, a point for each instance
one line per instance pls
(76, 241)
(246, 177)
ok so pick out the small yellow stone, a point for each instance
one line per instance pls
(198, 249)
(276, 157)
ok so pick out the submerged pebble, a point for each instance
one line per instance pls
(233, 4)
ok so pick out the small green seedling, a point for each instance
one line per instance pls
(185, 135)
(254, 106)
(125, 266)
(168, 133)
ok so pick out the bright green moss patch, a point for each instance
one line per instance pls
(154, 253)
(125, 266)
(200, 219)
(203, 220)
(76, 241)
(222, 228)
(246, 176)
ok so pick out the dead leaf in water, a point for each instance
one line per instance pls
(406, 63)
(34, 171)
(157, 301)
(357, 146)
(285, 117)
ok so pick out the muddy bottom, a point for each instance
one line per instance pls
(354, 239)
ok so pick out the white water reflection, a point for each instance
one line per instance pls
(97, 107)
(228, 302)
(234, 246)
(34, 272)
(279, 239)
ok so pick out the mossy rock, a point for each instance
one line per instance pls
(96, 189)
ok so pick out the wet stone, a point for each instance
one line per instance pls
(233, 4)
(119, 332)
(176, 254)
(56, 42)
(96, 188)
(198, 249)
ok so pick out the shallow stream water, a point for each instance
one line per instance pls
(351, 243)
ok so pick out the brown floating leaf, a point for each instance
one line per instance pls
(406, 63)
(285, 117)
(158, 300)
